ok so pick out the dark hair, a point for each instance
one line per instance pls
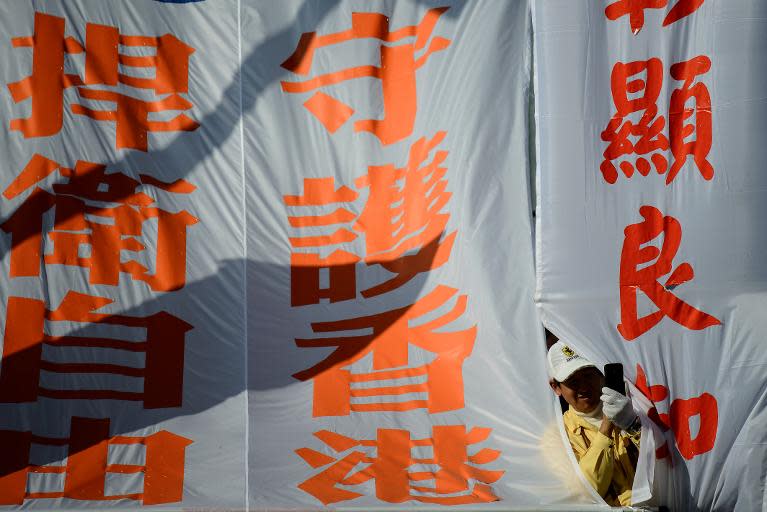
(551, 338)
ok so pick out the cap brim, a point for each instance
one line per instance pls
(567, 369)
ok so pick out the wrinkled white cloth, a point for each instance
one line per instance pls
(617, 408)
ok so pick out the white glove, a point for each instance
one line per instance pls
(617, 408)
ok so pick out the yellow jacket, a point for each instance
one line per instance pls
(607, 463)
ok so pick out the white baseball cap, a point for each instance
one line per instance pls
(564, 361)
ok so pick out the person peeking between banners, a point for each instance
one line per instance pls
(603, 429)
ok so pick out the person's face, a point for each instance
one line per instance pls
(582, 389)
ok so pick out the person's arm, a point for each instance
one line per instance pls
(597, 461)
(619, 410)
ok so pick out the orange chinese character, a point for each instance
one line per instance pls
(338, 391)
(648, 129)
(682, 411)
(635, 10)
(76, 225)
(396, 72)
(636, 275)
(45, 86)
(305, 271)
(403, 212)
(88, 464)
(131, 116)
(679, 112)
(23, 355)
(678, 419)
(305, 268)
(457, 481)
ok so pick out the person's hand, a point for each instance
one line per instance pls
(617, 408)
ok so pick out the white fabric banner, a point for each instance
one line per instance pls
(280, 255)
(650, 130)
(122, 380)
(395, 353)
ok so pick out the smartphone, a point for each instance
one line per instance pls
(614, 377)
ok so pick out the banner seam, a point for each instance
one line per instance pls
(537, 152)
(244, 257)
